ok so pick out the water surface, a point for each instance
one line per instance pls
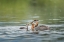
(17, 13)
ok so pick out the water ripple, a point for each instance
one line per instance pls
(15, 34)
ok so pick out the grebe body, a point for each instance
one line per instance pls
(42, 28)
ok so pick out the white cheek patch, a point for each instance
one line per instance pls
(34, 23)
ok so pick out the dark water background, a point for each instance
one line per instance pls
(16, 13)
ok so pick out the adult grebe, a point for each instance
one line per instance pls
(36, 27)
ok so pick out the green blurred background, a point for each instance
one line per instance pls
(47, 11)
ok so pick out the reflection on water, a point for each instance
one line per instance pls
(50, 12)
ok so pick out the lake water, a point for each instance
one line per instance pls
(17, 13)
(9, 32)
